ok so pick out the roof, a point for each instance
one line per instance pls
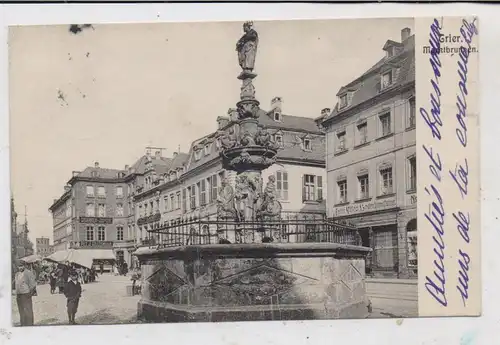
(104, 173)
(159, 163)
(367, 86)
(288, 123)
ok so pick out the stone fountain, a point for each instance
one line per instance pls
(247, 277)
(250, 149)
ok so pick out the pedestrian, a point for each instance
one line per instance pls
(73, 292)
(101, 266)
(125, 268)
(25, 283)
(53, 280)
(136, 274)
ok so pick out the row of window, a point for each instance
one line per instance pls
(198, 194)
(100, 235)
(91, 208)
(312, 187)
(101, 191)
(386, 185)
(384, 128)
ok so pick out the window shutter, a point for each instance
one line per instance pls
(285, 185)
(303, 188)
(320, 187)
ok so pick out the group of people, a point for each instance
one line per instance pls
(59, 276)
(68, 280)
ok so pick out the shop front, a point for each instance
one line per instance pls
(390, 231)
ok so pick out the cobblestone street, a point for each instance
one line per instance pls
(102, 302)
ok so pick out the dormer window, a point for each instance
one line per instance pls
(278, 139)
(343, 101)
(386, 79)
(94, 174)
(389, 52)
(277, 116)
(197, 155)
(307, 145)
(207, 149)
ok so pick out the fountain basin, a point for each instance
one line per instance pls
(257, 281)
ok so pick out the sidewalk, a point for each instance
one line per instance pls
(393, 297)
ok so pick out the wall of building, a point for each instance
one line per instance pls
(295, 174)
(393, 210)
(393, 149)
(111, 200)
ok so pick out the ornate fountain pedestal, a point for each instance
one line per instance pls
(250, 273)
(246, 282)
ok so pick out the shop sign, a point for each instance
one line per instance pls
(364, 207)
(96, 220)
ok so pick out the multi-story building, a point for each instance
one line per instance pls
(188, 186)
(92, 212)
(43, 246)
(371, 163)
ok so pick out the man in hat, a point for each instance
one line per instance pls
(25, 284)
(73, 292)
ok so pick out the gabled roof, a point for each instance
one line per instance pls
(367, 86)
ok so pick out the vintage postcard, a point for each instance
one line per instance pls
(244, 171)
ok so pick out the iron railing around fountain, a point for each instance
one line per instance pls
(292, 228)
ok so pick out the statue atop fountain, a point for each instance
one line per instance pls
(250, 149)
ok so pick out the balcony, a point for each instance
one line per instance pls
(149, 219)
(91, 244)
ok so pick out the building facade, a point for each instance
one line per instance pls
(371, 162)
(43, 246)
(92, 213)
(188, 186)
(21, 245)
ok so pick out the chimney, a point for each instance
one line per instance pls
(222, 121)
(405, 34)
(276, 103)
(157, 154)
(55, 200)
(325, 112)
(67, 188)
(126, 167)
(96, 164)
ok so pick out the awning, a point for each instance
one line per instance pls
(82, 257)
(31, 258)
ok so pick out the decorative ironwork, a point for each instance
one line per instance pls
(293, 228)
(149, 219)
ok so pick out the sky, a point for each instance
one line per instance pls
(106, 93)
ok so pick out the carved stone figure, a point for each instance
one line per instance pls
(227, 140)
(247, 139)
(247, 47)
(268, 206)
(262, 137)
(225, 200)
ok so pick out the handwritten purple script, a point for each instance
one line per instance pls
(436, 215)
(461, 173)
